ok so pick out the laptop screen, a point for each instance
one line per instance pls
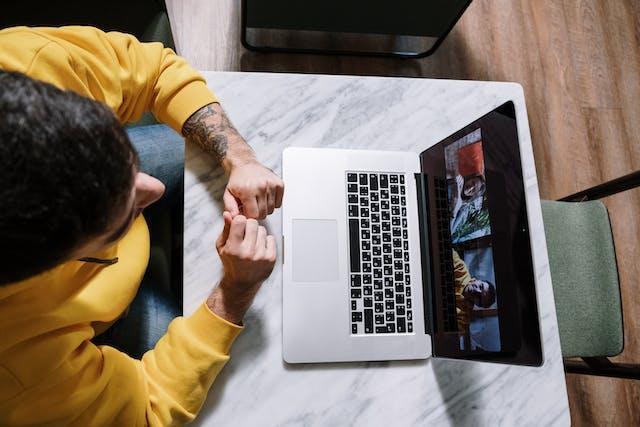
(480, 274)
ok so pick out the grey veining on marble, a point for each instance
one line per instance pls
(257, 388)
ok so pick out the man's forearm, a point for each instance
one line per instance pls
(212, 130)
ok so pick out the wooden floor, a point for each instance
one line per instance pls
(579, 64)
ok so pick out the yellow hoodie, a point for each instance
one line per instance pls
(50, 372)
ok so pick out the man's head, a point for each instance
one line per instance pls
(69, 179)
(480, 292)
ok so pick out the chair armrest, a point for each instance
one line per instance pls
(626, 182)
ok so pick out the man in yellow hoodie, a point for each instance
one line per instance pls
(73, 243)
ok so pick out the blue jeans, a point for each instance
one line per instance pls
(159, 299)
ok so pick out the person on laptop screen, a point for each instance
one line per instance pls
(74, 245)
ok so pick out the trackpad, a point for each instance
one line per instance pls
(315, 250)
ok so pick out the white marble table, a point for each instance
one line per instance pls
(257, 388)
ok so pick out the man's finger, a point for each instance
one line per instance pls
(222, 239)
(271, 200)
(262, 205)
(250, 207)
(261, 241)
(251, 233)
(279, 194)
(271, 248)
(230, 203)
(237, 230)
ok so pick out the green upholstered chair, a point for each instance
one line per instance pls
(584, 273)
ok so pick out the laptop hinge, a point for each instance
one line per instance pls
(425, 248)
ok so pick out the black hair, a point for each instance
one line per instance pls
(66, 171)
(491, 292)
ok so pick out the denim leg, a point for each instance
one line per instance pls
(161, 153)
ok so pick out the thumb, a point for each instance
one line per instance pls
(230, 203)
(222, 239)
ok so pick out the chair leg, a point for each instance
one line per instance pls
(609, 188)
(602, 366)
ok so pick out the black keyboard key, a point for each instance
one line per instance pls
(379, 319)
(373, 182)
(407, 280)
(377, 262)
(366, 267)
(405, 234)
(391, 328)
(375, 218)
(404, 222)
(397, 264)
(368, 290)
(377, 296)
(399, 287)
(388, 270)
(386, 216)
(402, 190)
(396, 232)
(377, 273)
(377, 284)
(403, 201)
(395, 200)
(395, 211)
(388, 282)
(366, 256)
(366, 234)
(397, 242)
(363, 179)
(393, 179)
(354, 243)
(381, 329)
(395, 221)
(368, 302)
(405, 245)
(376, 239)
(397, 253)
(384, 205)
(375, 208)
(384, 194)
(376, 250)
(379, 307)
(401, 179)
(409, 315)
(388, 293)
(366, 279)
(353, 198)
(384, 181)
(409, 327)
(390, 317)
(364, 191)
(368, 321)
(404, 211)
(356, 293)
(394, 190)
(366, 246)
(386, 226)
(354, 328)
(400, 310)
(355, 280)
(406, 269)
(406, 256)
(352, 188)
(374, 197)
(353, 210)
(364, 201)
(401, 325)
(386, 237)
(354, 305)
(352, 177)
(364, 212)
(387, 259)
(375, 229)
(408, 294)
(408, 299)
(386, 249)
(356, 317)
(399, 299)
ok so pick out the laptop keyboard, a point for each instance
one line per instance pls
(380, 283)
(447, 283)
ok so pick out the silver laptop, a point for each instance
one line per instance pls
(395, 255)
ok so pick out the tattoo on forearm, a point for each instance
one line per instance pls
(210, 128)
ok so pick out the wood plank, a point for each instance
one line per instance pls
(579, 64)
